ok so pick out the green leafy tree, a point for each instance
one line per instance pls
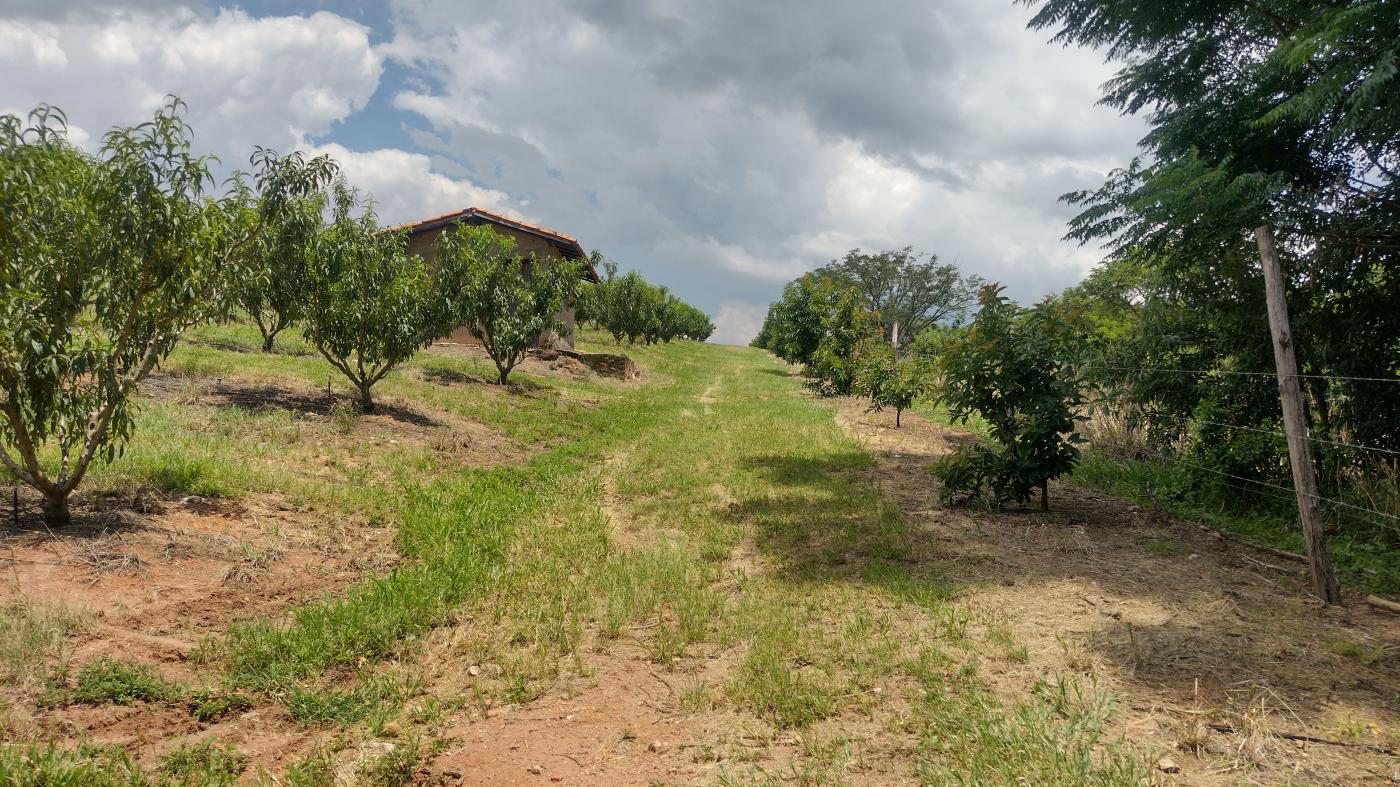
(373, 305)
(796, 323)
(628, 310)
(847, 325)
(906, 288)
(890, 382)
(507, 300)
(1013, 369)
(276, 282)
(695, 324)
(108, 259)
(590, 303)
(1280, 113)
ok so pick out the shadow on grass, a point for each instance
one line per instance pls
(260, 398)
(514, 385)
(824, 522)
(277, 349)
(1221, 633)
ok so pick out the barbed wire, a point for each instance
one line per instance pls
(1254, 481)
(1162, 370)
(1276, 433)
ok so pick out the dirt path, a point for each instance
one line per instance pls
(1209, 648)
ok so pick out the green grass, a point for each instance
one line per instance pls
(713, 511)
(31, 635)
(107, 680)
(201, 765)
(48, 765)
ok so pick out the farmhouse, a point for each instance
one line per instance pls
(546, 245)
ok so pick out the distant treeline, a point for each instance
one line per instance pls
(628, 307)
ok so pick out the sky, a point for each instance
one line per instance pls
(720, 147)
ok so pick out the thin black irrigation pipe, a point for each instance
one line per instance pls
(1160, 370)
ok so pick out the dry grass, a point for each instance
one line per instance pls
(30, 636)
(104, 555)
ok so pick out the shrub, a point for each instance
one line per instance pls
(888, 381)
(1011, 368)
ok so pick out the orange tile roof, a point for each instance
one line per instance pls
(566, 240)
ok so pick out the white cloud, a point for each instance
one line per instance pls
(405, 188)
(721, 148)
(725, 148)
(737, 322)
(247, 80)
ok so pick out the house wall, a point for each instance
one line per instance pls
(421, 244)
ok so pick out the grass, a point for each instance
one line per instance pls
(201, 765)
(107, 680)
(48, 765)
(32, 635)
(768, 577)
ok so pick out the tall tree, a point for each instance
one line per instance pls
(1270, 114)
(906, 288)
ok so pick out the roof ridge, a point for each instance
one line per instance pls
(523, 223)
(489, 214)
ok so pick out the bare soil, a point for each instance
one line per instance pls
(1219, 667)
(1215, 655)
(161, 579)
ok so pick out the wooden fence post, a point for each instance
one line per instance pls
(1295, 426)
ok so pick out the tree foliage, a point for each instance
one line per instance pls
(629, 307)
(108, 259)
(1277, 112)
(890, 381)
(821, 322)
(505, 299)
(373, 305)
(276, 280)
(906, 288)
(1012, 370)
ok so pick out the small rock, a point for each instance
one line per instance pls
(535, 769)
(192, 500)
(1168, 765)
(377, 748)
(473, 670)
(392, 729)
(658, 747)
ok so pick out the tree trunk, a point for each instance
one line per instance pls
(56, 508)
(366, 401)
(1324, 580)
(897, 412)
(267, 341)
(1045, 495)
(502, 374)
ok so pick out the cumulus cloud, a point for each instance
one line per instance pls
(725, 147)
(405, 187)
(737, 322)
(270, 81)
(722, 147)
